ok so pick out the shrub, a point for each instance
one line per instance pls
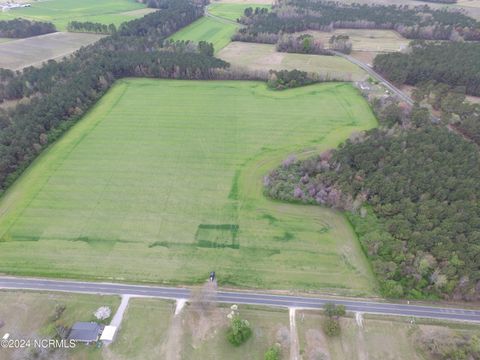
(239, 331)
(332, 310)
(273, 353)
(331, 326)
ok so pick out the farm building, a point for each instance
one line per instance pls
(108, 334)
(85, 332)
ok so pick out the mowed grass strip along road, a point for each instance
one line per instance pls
(162, 182)
(61, 12)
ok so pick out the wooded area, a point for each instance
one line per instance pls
(419, 22)
(451, 63)
(22, 28)
(414, 200)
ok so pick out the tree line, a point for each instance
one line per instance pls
(91, 27)
(56, 95)
(419, 22)
(451, 63)
(22, 28)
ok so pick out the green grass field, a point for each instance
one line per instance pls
(162, 182)
(215, 31)
(232, 11)
(205, 338)
(61, 12)
(144, 330)
(208, 29)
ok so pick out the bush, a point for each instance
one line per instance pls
(331, 326)
(273, 353)
(239, 331)
(332, 310)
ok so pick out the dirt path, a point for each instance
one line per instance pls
(180, 305)
(294, 349)
(171, 349)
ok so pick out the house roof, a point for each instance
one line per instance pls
(85, 332)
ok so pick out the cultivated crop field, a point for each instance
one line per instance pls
(17, 54)
(265, 57)
(61, 12)
(146, 188)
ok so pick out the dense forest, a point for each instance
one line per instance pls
(419, 22)
(414, 201)
(21, 28)
(456, 111)
(452, 63)
(54, 96)
(90, 27)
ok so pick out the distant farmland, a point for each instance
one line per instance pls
(232, 11)
(61, 12)
(214, 30)
(17, 54)
(208, 29)
(162, 182)
(265, 57)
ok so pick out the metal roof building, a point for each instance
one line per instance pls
(86, 332)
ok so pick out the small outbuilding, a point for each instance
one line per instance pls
(85, 332)
(108, 334)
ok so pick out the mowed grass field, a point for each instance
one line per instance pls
(208, 29)
(265, 57)
(366, 39)
(61, 12)
(214, 30)
(17, 54)
(162, 182)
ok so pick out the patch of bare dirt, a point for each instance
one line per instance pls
(364, 56)
(204, 316)
(316, 345)
(282, 337)
(171, 349)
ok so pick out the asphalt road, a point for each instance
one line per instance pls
(237, 297)
(377, 76)
(400, 94)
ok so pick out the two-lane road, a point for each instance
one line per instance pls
(238, 297)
